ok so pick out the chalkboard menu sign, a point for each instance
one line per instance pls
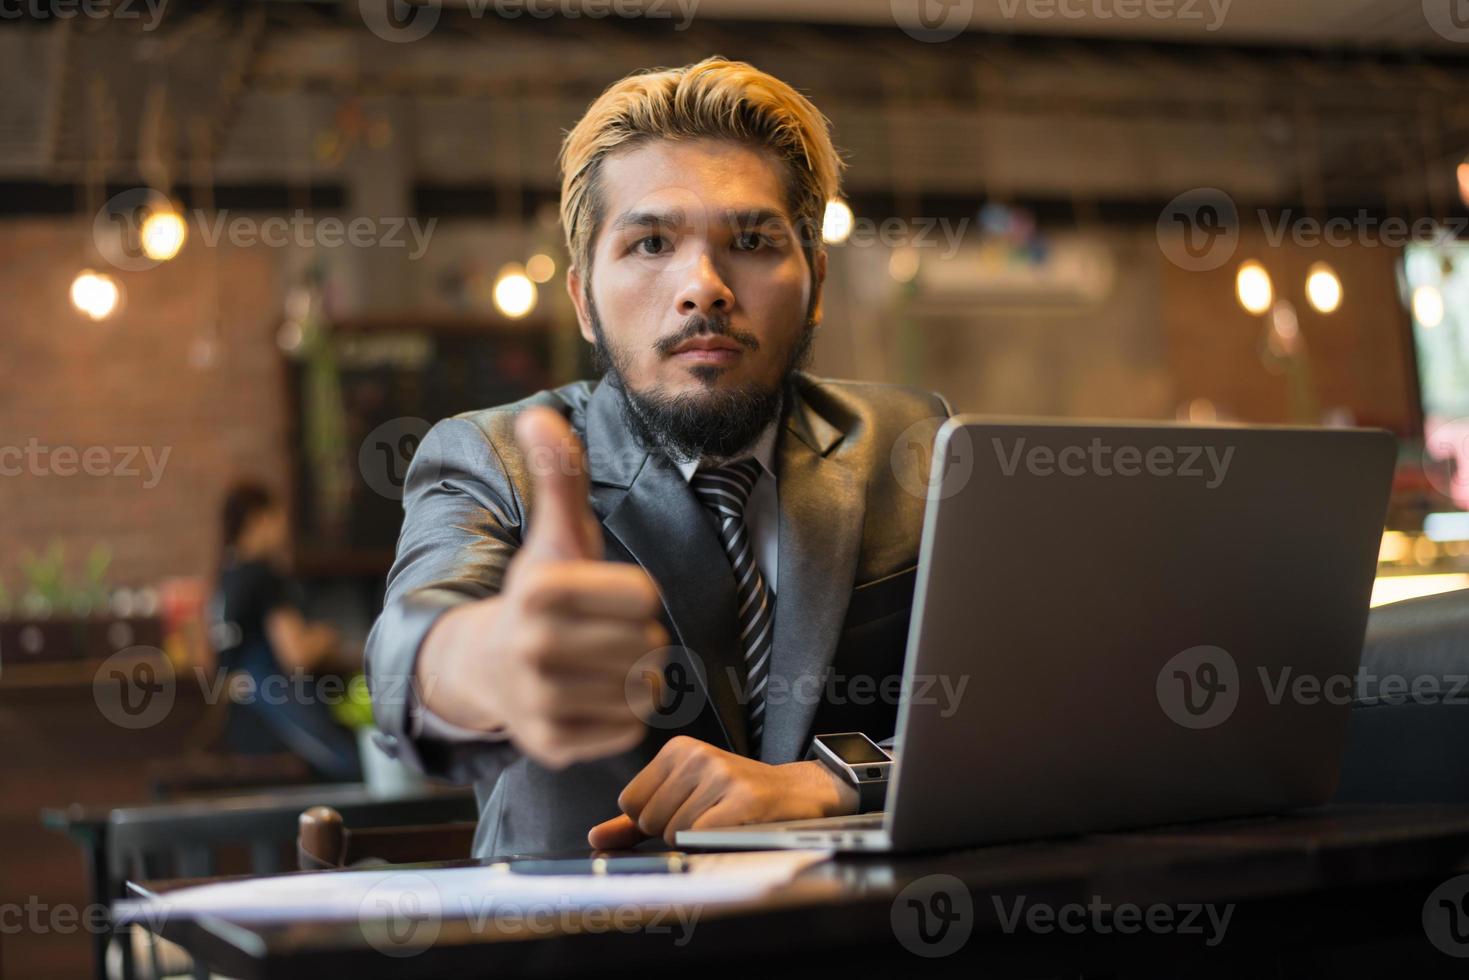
(364, 398)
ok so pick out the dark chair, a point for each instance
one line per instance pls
(323, 842)
(1406, 747)
(199, 837)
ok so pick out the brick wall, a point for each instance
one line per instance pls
(129, 382)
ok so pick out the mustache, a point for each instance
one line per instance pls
(717, 325)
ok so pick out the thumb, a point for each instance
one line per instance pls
(562, 525)
(617, 834)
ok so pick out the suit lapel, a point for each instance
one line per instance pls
(822, 507)
(645, 503)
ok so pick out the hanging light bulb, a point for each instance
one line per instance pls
(514, 293)
(836, 224)
(95, 294)
(540, 267)
(1323, 288)
(1428, 306)
(1253, 288)
(163, 233)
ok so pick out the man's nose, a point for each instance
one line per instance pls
(704, 290)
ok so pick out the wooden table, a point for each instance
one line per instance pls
(1317, 892)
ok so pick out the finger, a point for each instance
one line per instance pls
(722, 814)
(616, 834)
(640, 789)
(599, 648)
(585, 701)
(587, 588)
(559, 527)
(644, 693)
(686, 816)
(676, 792)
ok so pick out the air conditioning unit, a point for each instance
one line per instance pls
(1050, 274)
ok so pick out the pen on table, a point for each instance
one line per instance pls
(674, 863)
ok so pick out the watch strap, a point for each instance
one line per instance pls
(872, 796)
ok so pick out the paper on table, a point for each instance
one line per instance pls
(469, 893)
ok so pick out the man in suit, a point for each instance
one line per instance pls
(624, 608)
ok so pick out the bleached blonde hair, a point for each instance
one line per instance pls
(714, 98)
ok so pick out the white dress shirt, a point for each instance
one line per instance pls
(762, 521)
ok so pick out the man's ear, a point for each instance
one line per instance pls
(818, 279)
(579, 300)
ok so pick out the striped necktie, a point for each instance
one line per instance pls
(724, 490)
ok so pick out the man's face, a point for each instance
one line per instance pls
(696, 250)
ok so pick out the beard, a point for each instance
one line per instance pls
(717, 422)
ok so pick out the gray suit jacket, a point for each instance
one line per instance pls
(851, 462)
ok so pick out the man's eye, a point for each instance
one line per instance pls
(751, 240)
(651, 245)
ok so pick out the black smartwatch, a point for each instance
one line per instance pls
(859, 762)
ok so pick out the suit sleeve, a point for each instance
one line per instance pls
(462, 522)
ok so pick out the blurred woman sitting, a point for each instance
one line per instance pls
(271, 651)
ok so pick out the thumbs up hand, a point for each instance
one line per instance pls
(563, 526)
(548, 660)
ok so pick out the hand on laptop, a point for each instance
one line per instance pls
(691, 784)
(547, 659)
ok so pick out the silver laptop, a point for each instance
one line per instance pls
(1151, 624)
